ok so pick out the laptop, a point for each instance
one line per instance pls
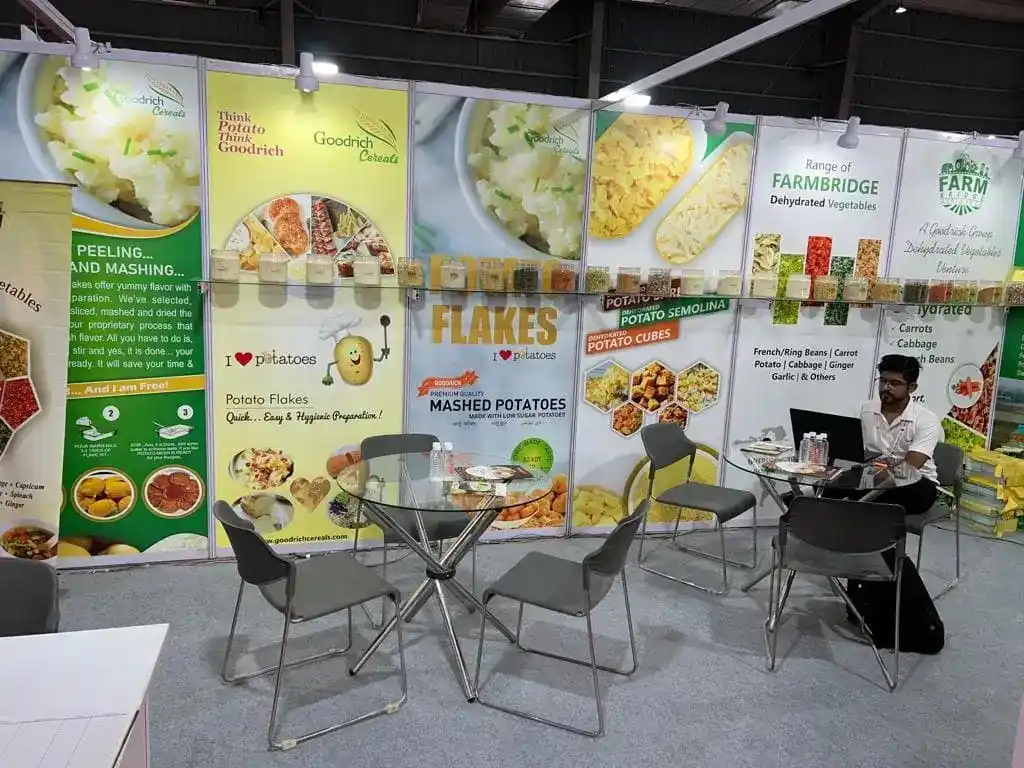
(845, 438)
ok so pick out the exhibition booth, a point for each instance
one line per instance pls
(261, 277)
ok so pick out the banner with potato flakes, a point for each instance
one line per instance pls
(35, 242)
(665, 192)
(306, 192)
(125, 136)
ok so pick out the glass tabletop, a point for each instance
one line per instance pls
(403, 480)
(777, 467)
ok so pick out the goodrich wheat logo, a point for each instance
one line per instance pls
(963, 184)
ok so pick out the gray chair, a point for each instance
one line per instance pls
(666, 444)
(301, 590)
(28, 598)
(572, 589)
(439, 526)
(949, 462)
(837, 539)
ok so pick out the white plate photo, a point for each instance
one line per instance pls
(483, 472)
(966, 386)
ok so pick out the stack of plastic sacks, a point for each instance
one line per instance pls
(993, 498)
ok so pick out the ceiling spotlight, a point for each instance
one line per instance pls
(637, 100)
(716, 126)
(1018, 153)
(306, 81)
(84, 57)
(901, 8)
(325, 68)
(849, 139)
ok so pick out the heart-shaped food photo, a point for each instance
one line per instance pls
(309, 493)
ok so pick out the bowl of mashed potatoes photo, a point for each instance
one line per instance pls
(121, 132)
(523, 171)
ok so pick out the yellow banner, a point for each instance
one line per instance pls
(137, 386)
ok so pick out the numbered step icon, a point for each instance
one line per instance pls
(111, 413)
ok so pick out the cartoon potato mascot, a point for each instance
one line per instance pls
(353, 355)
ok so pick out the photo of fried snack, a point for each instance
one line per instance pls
(698, 387)
(627, 419)
(606, 386)
(104, 495)
(652, 386)
(709, 205)
(637, 161)
(674, 414)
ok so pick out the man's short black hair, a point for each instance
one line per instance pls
(907, 367)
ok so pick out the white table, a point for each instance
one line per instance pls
(77, 699)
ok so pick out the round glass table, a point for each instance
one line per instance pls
(479, 489)
(873, 478)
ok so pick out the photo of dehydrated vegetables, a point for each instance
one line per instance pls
(303, 225)
(19, 401)
(652, 386)
(606, 386)
(173, 492)
(627, 419)
(103, 495)
(968, 427)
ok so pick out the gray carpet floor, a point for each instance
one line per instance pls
(701, 696)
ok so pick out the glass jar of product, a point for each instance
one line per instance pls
(764, 286)
(627, 280)
(659, 282)
(563, 278)
(915, 292)
(1014, 293)
(366, 270)
(273, 268)
(597, 280)
(410, 272)
(856, 289)
(225, 265)
(940, 291)
(990, 293)
(693, 282)
(825, 288)
(886, 289)
(491, 275)
(320, 270)
(964, 292)
(452, 274)
(798, 286)
(526, 277)
(730, 283)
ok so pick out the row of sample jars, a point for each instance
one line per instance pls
(226, 266)
(890, 290)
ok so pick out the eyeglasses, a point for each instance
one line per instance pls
(884, 383)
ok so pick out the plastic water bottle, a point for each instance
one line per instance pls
(436, 462)
(449, 462)
(804, 453)
(823, 448)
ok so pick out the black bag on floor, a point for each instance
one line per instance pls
(921, 628)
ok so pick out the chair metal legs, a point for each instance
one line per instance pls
(956, 545)
(722, 558)
(288, 743)
(777, 596)
(591, 663)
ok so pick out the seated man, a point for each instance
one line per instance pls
(895, 427)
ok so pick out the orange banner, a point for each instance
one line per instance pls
(467, 379)
(600, 342)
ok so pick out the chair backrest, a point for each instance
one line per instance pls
(601, 566)
(666, 443)
(949, 463)
(257, 562)
(28, 598)
(389, 445)
(845, 527)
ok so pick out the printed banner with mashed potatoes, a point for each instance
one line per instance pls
(664, 193)
(35, 242)
(308, 362)
(127, 136)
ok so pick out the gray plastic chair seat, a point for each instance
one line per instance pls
(545, 581)
(917, 523)
(326, 585)
(29, 602)
(724, 503)
(802, 557)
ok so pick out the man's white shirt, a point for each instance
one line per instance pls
(915, 430)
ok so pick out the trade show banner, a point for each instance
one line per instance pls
(306, 367)
(664, 193)
(127, 136)
(35, 243)
(499, 194)
(1008, 421)
(956, 219)
(820, 216)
